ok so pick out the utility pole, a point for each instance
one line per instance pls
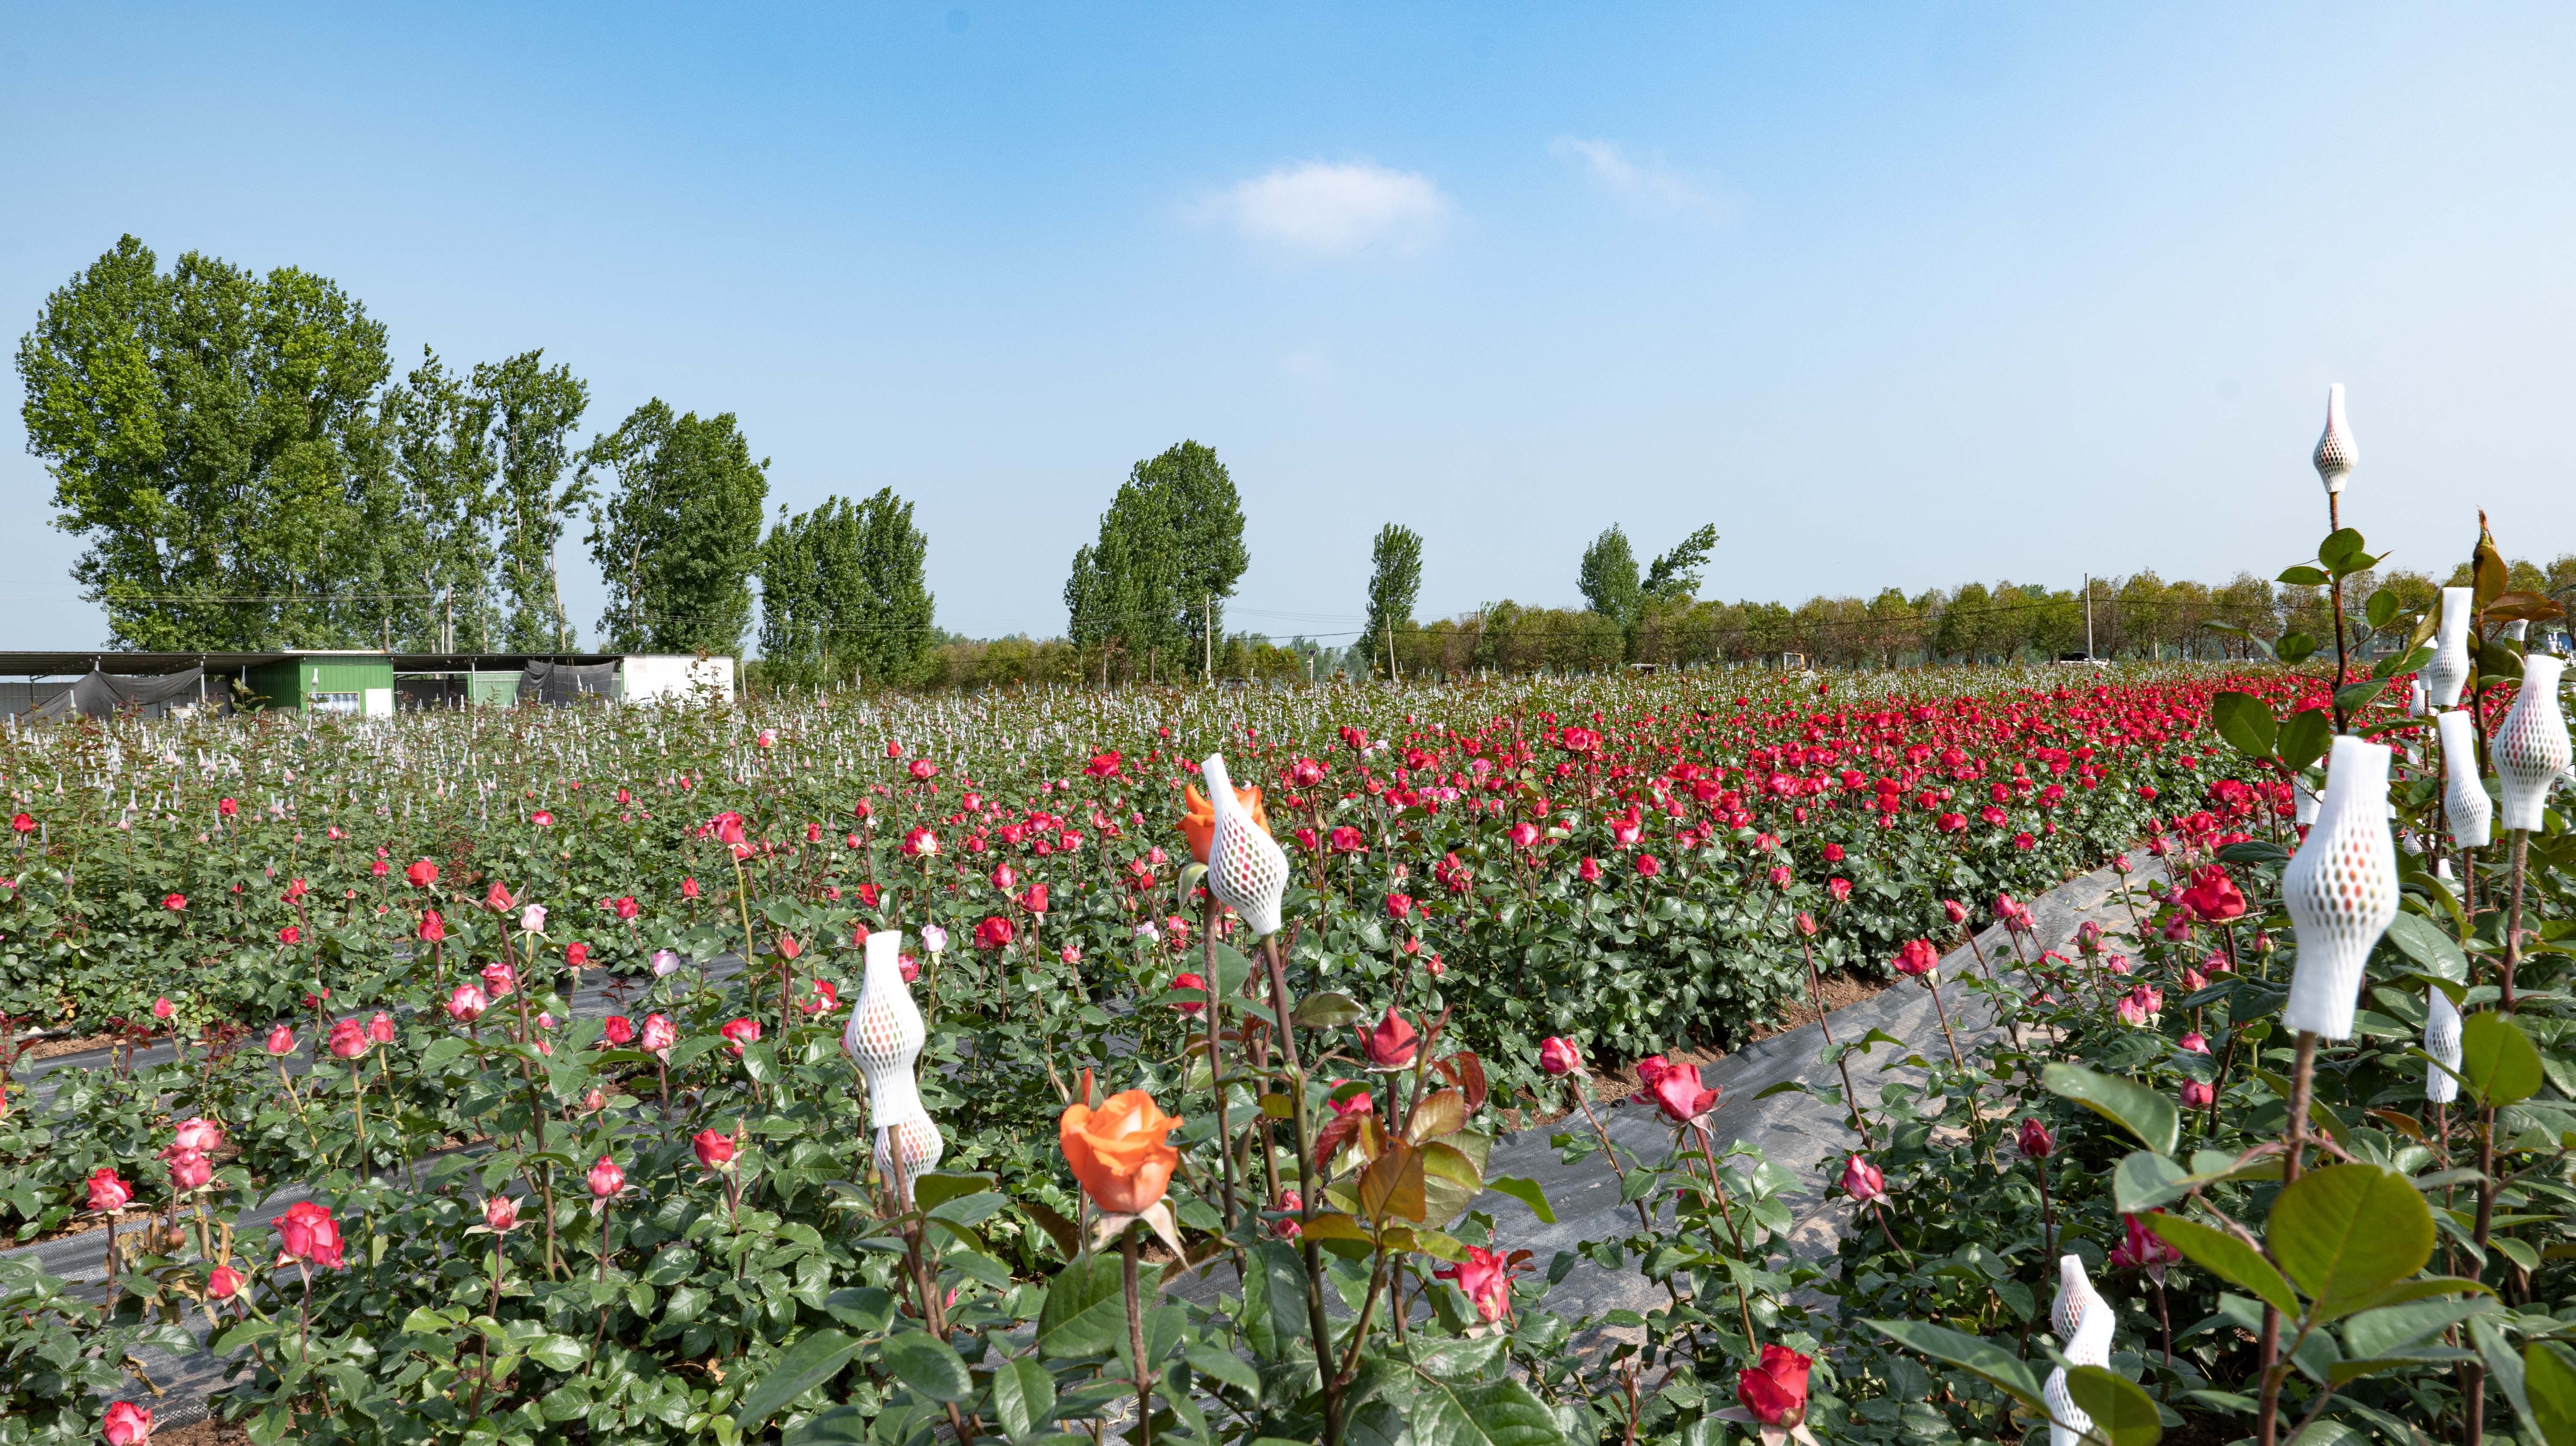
(2088, 617)
(1207, 635)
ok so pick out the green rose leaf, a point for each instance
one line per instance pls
(2245, 721)
(2227, 1257)
(2121, 1412)
(2132, 1106)
(2345, 1232)
(1528, 1193)
(2305, 736)
(2549, 1384)
(2497, 1060)
(1023, 1397)
(1086, 1310)
(1976, 1355)
(1490, 1413)
(930, 1366)
(2417, 939)
(810, 1362)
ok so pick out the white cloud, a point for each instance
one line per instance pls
(1651, 185)
(1325, 209)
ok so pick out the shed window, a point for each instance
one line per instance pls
(335, 702)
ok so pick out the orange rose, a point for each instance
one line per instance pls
(1198, 819)
(1117, 1151)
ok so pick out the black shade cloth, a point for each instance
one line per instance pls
(542, 682)
(103, 695)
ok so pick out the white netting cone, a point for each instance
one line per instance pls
(2336, 454)
(2303, 801)
(1247, 871)
(2465, 805)
(2448, 672)
(2341, 888)
(2531, 748)
(2083, 1320)
(2418, 697)
(2442, 1041)
(884, 1037)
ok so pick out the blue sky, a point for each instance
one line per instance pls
(1893, 295)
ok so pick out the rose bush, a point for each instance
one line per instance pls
(674, 1228)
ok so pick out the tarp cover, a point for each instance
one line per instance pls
(102, 695)
(542, 682)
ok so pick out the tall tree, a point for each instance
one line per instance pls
(1395, 580)
(437, 435)
(1675, 576)
(1609, 577)
(210, 435)
(533, 409)
(676, 530)
(1170, 551)
(843, 589)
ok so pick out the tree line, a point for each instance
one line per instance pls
(249, 475)
(1656, 619)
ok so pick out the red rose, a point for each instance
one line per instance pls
(1775, 1392)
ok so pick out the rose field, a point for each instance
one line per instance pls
(983, 1069)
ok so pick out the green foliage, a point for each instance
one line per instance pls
(676, 531)
(1608, 577)
(843, 591)
(245, 479)
(1144, 596)
(533, 409)
(210, 436)
(1395, 580)
(1675, 576)
(438, 439)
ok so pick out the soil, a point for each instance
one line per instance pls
(91, 1223)
(1840, 990)
(48, 1048)
(209, 1432)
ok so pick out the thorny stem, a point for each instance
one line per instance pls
(1851, 1092)
(1216, 1059)
(1136, 1338)
(1315, 1323)
(2513, 916)
(1726, 1215)
(2302, 1086)
(1933, 984)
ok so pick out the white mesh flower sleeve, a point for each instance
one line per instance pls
(2341, 888)
(2336, 453)
(2303, 802)
(1247, 871)
(2442, 1041)
(2448, 672)
(2083, 1320)
(884, 1038)
(2531, 749)
(2465, 805)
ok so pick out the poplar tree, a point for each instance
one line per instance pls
(1395, 580)
(211, 436)
(844, 590)
(676, 505)
(1151, 588)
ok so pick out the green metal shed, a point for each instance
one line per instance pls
(358, 682)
